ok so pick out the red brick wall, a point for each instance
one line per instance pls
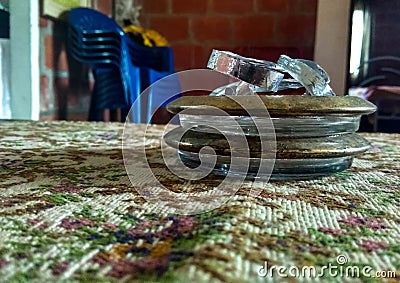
(195, 27)
(258, 28)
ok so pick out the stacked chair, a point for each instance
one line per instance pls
(122, 69)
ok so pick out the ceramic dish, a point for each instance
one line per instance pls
(284, 169)
(287, 148)
(307, 136)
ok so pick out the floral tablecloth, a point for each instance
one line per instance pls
(68, 213)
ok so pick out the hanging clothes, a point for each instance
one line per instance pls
(146, 37)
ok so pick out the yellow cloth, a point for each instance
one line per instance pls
(150, 37)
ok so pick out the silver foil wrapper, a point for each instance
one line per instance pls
(259, 73)
(236, 88)
(289, 83)
(265, 76)
(316, 68)
(309, 74)
(242, 88)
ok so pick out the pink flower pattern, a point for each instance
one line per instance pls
(331, 231)
(368, 222)
(371, 246)
(73, 224)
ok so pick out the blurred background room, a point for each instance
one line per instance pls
(352, 40)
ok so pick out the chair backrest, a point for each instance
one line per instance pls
(157, 58)
(89, 21)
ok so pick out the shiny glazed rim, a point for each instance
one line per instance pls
(304, 126)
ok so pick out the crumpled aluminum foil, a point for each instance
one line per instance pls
(265, 76)
(236, 88)
(259, 73)
(243, 88)
(309, 74)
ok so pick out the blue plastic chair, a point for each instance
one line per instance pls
(100, 42)
(90, 27)
(156, 63)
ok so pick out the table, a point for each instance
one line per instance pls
(68, 212)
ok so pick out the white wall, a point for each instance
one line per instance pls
(4, 72)
(331, 40)
(24, 42)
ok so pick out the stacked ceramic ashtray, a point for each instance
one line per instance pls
(299, 136)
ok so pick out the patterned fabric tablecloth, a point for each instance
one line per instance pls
(68, 212)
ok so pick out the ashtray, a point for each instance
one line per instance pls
(305, 136)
